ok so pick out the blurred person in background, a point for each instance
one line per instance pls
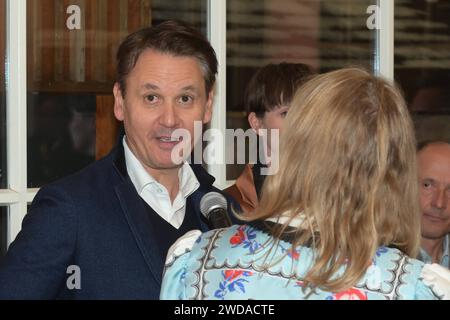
(267, 100)
(434, 180)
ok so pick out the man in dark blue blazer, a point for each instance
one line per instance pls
(104, 232)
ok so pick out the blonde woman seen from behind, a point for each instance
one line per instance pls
(339, 220)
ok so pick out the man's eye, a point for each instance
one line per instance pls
(185, 99)
(427, 184)
(151, 98)
(284, 114)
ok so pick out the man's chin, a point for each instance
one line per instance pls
(433, 234)
(171, 165)
(163, 165)
(170, 160)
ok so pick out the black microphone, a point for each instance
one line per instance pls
(213, 206)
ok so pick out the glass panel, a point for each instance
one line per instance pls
(324, 34)
(422, 64)
(2, 95)
(71, 71)
(61, 129)
(192, 12)
(3, 231)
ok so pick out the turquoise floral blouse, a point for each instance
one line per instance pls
(235, 263)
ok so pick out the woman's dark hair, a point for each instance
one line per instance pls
(274, 85)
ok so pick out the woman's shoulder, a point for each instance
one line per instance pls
(195, 240)
(399, 275)
(396, 262)
(182, 246)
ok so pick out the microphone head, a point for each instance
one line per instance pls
(212, 200)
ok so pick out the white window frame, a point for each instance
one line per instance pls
(18, 196)
(385, 47)
(217, 35)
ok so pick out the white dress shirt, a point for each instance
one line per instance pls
(155, 194)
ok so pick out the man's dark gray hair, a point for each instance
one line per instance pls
(172, 37)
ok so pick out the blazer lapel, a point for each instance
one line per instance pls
(136, 216)
(141, 227)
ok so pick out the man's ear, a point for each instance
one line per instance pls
(209, 105)
(255, 122)
(118, 102)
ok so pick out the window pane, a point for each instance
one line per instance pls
(71, 71)
(3, 231)
(422, 64)
(193, 12)
(2, 95)
(324, 34)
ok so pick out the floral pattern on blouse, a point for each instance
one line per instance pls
(245, 236)
(291, 252)
(350, 294)
(236, 263)
(232, 281)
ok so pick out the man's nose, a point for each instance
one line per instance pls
(169, 117)
(440, 199)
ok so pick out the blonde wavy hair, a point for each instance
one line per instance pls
(348, 166)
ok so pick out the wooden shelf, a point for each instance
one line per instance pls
(93, 87)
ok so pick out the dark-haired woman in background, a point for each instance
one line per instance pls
(267, 99)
